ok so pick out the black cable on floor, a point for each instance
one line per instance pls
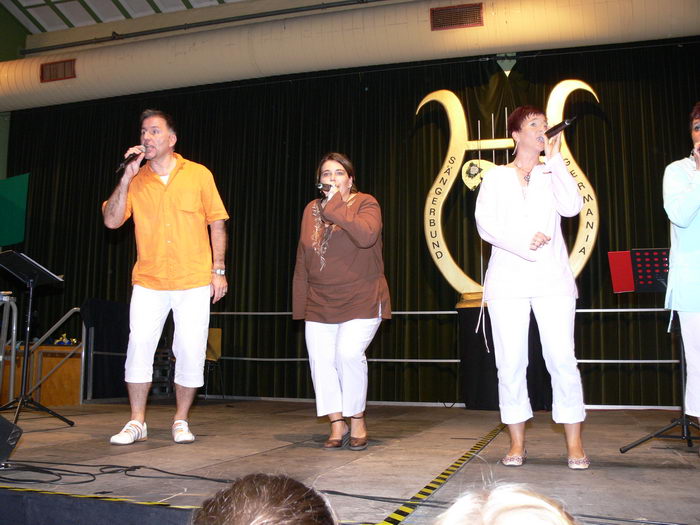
(57, 474)
(129, 470)
(171, 475)
(437, 504)
(609, 521)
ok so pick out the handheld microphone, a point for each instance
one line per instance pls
(559, 127)
(324, 187)
(129, 159)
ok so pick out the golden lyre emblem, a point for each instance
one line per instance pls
(473, 171)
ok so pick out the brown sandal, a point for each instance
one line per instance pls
(337, 444)
(355, 442)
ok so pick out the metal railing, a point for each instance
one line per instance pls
(454, 312)
(9, 309)
(37, 344)
(432, 361)
(455, 361)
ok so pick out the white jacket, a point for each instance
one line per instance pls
(682, 204)
(509, 215)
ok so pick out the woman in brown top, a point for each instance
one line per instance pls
(340, 290)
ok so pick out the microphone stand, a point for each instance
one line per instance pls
(32, 274)
(684, 422)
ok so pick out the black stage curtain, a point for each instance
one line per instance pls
(262, 139)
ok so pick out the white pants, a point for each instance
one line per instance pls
(510, 319)
(690, 330)
(338, 364)
(147, 315)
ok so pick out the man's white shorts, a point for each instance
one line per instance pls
(148, 312)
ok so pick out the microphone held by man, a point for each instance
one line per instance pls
(130, 158)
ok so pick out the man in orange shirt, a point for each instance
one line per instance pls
(172, 201)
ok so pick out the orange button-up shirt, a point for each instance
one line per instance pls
(171, 220)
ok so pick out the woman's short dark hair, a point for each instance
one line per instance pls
(519, 114)
(265, 498)
(344, 161)
(695, 113)
(169, 121)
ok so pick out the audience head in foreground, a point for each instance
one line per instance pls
(265, 499)
(505, 505)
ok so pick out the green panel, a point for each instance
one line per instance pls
(13, 207)
(13, 35)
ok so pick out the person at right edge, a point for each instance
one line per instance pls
(682, 205)
(519, 211)
(339, 289)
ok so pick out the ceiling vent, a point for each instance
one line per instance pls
(52, 71)
(457, 16)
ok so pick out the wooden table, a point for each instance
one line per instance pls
(61, 388)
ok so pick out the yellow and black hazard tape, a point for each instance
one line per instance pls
(98, 497)
(407, 508)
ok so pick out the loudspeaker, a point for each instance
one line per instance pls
(9, 436)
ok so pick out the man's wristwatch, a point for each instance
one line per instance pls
(219, 271)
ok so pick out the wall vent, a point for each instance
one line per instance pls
(457, 16)
(52, 71)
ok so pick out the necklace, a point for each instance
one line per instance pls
(526, 177)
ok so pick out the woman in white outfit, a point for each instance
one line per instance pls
(519, 212)
(682, 204)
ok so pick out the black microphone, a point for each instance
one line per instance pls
(324, 187)
(130, 158)
(559, 127)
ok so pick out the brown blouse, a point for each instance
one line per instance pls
(339, 273)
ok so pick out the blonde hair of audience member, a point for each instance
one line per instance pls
(265, 499)
(505, 505)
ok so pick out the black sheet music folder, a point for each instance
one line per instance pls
(26, 270)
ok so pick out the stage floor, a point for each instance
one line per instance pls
(410, 448)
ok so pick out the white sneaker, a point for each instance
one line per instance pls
(181, 432)
(132, 431)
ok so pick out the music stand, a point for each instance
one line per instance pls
(646, 270)
(32, 274)
(639, 270)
